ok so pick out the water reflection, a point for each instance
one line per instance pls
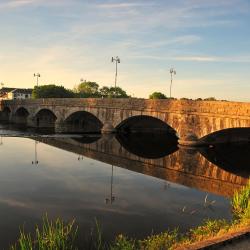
(105, 178)
(187, 166)
(233, 158)
(151, 146)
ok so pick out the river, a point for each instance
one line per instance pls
(135, 185)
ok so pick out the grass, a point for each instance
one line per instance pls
(60, 236)
(240, 203)
(53, 235)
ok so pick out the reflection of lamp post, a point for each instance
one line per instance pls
(37, 75)
(80, 157)
(1, 141)
(116, 60)
(35, 162)
(172, 71)
(112, 197)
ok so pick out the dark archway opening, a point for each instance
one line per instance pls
(45, 119)
(147, 137)
(5, 114)
(82, 122)
(21, 116)
(144, 124)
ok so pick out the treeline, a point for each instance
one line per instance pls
(159, 95)
(83, 90)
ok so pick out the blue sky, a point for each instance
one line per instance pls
(206, 41)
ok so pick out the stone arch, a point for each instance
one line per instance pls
(82, 122)
(20, 116)
(144, 124)
(45, 118)
(5, 114)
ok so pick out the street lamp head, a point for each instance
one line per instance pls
(172, 71)
(112, 59)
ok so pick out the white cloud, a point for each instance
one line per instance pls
(12, 4)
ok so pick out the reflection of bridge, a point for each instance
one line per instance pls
(190, 119)
(186, 167)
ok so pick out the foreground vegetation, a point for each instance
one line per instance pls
(59, 236)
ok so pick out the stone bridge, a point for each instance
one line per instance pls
(194, 122)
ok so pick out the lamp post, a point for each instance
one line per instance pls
(82, 80)
(37, 75)
(116, 60)
(172, 72)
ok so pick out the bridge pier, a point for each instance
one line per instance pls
(108, 128)
(189, 140)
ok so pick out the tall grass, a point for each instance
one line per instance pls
(52, 235)
(241, 203)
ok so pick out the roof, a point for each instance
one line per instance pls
(6, 90)
(22, 91)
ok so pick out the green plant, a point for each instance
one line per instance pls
(160, 241)
(53, 235)
(123, 243)
(241, 203)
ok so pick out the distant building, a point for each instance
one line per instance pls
(15, 93)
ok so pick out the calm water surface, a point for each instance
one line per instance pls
(130, 185)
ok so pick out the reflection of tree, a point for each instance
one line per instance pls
(111, 199)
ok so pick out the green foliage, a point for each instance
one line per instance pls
(157, 95)
(123, 243)
(113, 92)
(210, 99)
(91, 89)
(241, 203)
(51, 91)
(87, 89)
(209, 228)
(160, 241)
(51, 236)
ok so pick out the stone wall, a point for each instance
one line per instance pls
(189, 119)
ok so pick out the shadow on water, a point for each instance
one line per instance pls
(149, 146)
(87, 139)
(233, 157)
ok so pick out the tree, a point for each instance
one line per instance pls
(87, 89)
(157, 95)
(210, 99)
(113, 92)
(51, 91)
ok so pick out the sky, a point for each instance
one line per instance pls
(207, 42)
